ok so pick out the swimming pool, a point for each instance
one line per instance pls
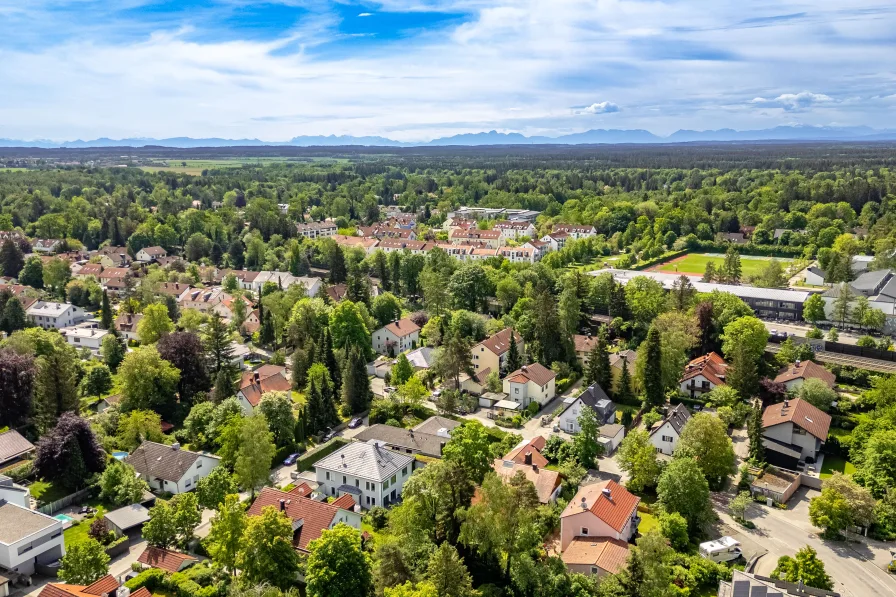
(119, 455)
(64, 518)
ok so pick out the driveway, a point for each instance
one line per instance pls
(857, 569)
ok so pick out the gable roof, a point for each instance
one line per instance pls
(806, 370)
(170, 463)
(711, 366)
(532, 447)
(127, 322)
(402, 327)
(428, 444)
(800, 413)
(536, 373)
(13, 445)
(315, 516)
(584, 343)
(614, 509)
(628, 356)
(604, 552)
(155, 251)
(545, 481)
(170, 561)
(677, 417)
(267, 378)
(103, 586)
(500, 343)
(365, 460)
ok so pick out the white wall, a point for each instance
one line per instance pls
(788, 433)
(373, 493)
(197, 471)
(666, 447)
(569, 419)
(46, 546)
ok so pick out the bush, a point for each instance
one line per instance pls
(393, 423)
(305, 462)
(533, 408)
(151, 578)
(377, 517)
(21, 472)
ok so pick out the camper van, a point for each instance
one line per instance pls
(725, 549)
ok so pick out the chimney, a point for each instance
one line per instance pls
(528, 458)
(283, 505)
(584, 504)
(786, 403)
(175, 446)
(257, 377)
(606, 492)
(535, 467)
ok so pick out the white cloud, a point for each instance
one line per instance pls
(601, 108)
(794, 102)
(365, 14)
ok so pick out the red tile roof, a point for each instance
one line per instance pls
(584, 343)
(615, 510)
(800, 413)
(267, 378)
(711, 366)
(545, 481)
(536, 373)
(806, 370)
(317, 516)
(170, 561)
(103, 586)
(604, 552)
(403, 327)
(533, 447)
(500, 343)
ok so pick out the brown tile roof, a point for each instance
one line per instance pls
(629, 356)
(337, 292)
(711, 366)
(500, 343)
(403, 327)
(614, 510)
(168, 560)
(103, 586)
(584, 343)
(533, 447)
(806, 370)
(157, 251)
(173, 288)
(141, 592)
(161, 461)
(267, 378)
(604, 552)
(115, 272)
(536, 372)
(91, 269)
(317, 516)
(127, 322)
(545, 481)
(800, 413)
(301, 490)
(13, 445)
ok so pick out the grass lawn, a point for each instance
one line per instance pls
(835, 464)
(46, 492)
(695, 263)
(622, 408)
(78, 533)
(648, 522)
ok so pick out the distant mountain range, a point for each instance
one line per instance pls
(596, 136)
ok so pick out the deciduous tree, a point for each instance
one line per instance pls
(682, 488)
(84, 562)
(805, 568)
(637, 457)
(337, 566)
(148, 382)
(154, 324)
(225, 539)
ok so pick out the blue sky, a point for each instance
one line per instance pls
(418, 69)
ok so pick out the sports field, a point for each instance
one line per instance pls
(695, 263)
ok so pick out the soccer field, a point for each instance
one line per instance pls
(695, 263)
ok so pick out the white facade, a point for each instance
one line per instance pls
(795, 435)
(82, 336)
(813, 279)
(515, 230)
(569, 418)
(696, 385)
(373, 475)
(28, 538)
(285, 280)
(383, 338)
(525, 392)
(665, 438)
(55, 315)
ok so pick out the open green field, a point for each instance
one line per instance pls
(695, 263)
(12, 169)
(195, 167)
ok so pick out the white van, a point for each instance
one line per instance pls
(724, 549)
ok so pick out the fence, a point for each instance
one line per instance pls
(820, 344)
(54, 507)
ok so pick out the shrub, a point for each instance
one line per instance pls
(377, 517)
(21, 472)
(532, 409)
(151, 578)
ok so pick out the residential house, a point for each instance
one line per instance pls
(793, 376)
(107, 586)
(793, 433)
(115, 279)
(85, 335)
(610, 436)
(50, 315)
(528, 452)
(814, 276)
(492, 352)
(396, 337)
(114, 257)
(203, 300)
(481, 252)
(583, 346)
(370, 473)
(165, 559)
(878, 286)
(436, 424)
(10, 491)
(421, 358)
(592, 397)
(176, 289)
(531, 383)
(315, 230)
(604, 509)
(351, 242)
(596, 556)
(540, 248)
(514, 230)
(384, 232)
(309, 517)
(126, 324)
(150, 254)
(736, 238)
(28, 538)
(337, 292)
(618, 360)
(88, 270)
(46, 246)
(408, 441)
(547, 483)
(170, 468)
(491, 238)
(575, 231)
(285, 280)
(13, 448)
(703, 374)
(665, 434)
(522, 254)
(555, 240)
(255, 384)
(27, 295)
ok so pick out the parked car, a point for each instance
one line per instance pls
(355, 423)
(724, 549)
(291, 459)
(329, 434)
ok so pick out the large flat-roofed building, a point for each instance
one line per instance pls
(494, 213)
(770, 303)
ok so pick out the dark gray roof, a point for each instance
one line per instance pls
(434, 423)
(161, 461)
(610, 430)
(678, 416)
(595, 397)
(887, 294)
(428, 444)
(817, 271)
(349, 489)
(13, 445)
(746, 584)
(128, 517)
(868, 283)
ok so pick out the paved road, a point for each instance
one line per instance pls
(858, 569)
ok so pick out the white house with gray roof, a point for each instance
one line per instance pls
(665, 434)
(170, 468)
(27, 538)
(49, 315)
(370, 472)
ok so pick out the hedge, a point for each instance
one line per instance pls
(307, 461)
(151, 578)
(641, 265)
(710, 246)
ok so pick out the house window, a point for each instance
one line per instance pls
(799, 431)
(199, 464)
(357, 483)
(516, 390)
(343, 479)
(404, 471)
(667, 438)
(328, 476)
(585, 531)
(386, 484)
(595, 570)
